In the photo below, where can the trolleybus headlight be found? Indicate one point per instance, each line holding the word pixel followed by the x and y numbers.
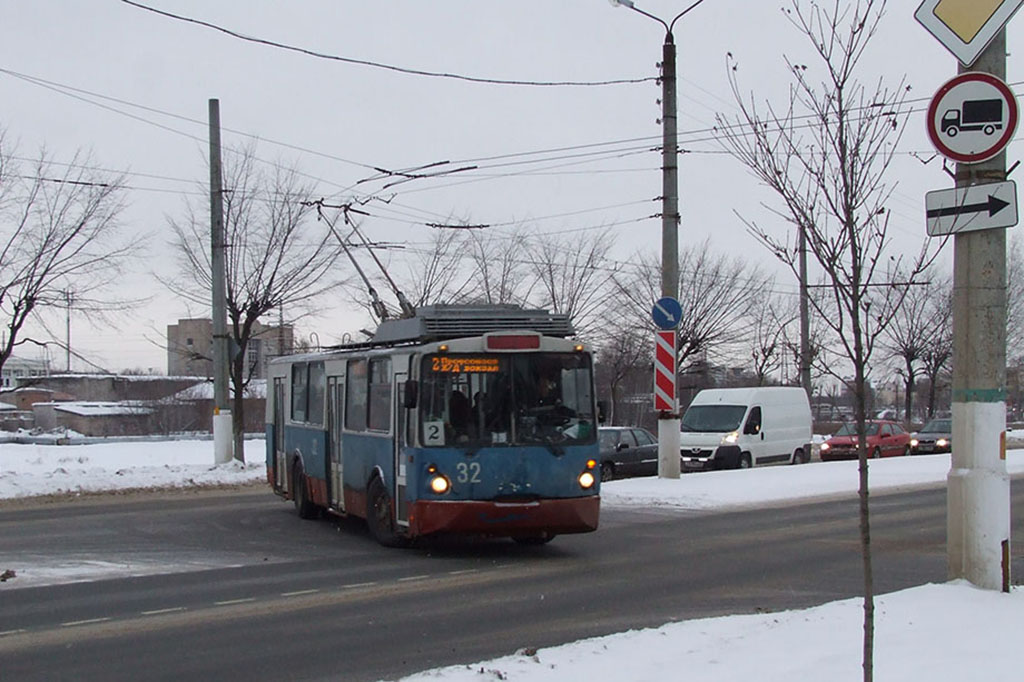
pixel 440 484
pixel 586 480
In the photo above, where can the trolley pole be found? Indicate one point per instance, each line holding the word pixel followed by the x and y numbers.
pixel 222 427
pixel 978 502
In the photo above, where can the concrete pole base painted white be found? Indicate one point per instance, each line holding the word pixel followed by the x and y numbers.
pixel 668 448
pixel 978 505
pixel 223 437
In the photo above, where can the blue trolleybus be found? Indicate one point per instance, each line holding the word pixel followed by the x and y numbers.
pixel 474 420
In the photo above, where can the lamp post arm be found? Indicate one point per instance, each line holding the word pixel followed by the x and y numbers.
pixel 629 4
pixel 679 16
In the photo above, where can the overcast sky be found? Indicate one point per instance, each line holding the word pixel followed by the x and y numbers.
pixel 104 60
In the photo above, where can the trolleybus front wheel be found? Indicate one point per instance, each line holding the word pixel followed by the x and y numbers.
pixel 379 516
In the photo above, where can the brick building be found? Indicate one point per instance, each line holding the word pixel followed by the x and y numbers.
pixel 190 347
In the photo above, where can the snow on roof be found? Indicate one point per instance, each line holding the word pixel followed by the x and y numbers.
pixel 101 409
pixel 120 377
pixel 257 388
pixel 7 407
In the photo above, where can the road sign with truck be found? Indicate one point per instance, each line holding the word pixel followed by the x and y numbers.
pixel 985 115
pixel 972 117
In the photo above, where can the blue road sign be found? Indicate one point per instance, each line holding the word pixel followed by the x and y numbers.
pixel 667 313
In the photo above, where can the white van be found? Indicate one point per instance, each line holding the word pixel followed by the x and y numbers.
pixel 737 428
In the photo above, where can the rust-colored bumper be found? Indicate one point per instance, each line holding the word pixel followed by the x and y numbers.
pixel 572 515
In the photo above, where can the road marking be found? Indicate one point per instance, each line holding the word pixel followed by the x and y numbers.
pixel 413 579
pixel 229 602
pixel 157 612
pixel 5 633
pixel 298 592
pixel 463 571
pixel 89 621
pixel 352 586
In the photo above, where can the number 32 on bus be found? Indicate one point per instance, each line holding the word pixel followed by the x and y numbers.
pixel 491 435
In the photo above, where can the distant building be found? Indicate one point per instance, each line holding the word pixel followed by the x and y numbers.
pixel 16 369
pixel 190 347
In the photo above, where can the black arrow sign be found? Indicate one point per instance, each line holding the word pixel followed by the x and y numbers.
pixel 993 206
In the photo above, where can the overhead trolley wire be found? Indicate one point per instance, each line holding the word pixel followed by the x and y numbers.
pixel 380 65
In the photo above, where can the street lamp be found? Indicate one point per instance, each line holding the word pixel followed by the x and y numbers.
pixel 668 422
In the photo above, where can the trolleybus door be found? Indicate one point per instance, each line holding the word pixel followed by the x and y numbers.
pixel 399 426
pixel 280 457
pixel 335 393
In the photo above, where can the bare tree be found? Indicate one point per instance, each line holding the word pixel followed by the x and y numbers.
pixel 825 156
pixel 60 236
pixel 436 274
pixel 768 341
pixel 815 337
pixel 718 295
pixel 1015 296
pixel 625 352
pixel 278 256
pixel 938 350
pixel 573 275
pixel 911 330
pixel 500 273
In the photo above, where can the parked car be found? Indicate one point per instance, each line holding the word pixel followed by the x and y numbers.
pixel 627 451
pixel 884 439
pixel 737 428
pixel 935 436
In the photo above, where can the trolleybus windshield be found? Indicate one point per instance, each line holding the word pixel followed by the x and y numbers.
pixel 506 399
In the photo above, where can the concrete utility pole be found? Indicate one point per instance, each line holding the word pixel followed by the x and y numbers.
pixel 805 317
pixel 69 298
pixel 978 502
pixel 668 421
pixel 222 428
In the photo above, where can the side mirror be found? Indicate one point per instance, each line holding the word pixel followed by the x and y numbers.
pixel 602 411
pixel 622 446
pixel 412 390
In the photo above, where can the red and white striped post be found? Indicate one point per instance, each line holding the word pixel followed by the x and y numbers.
pixel 666 404
pixel 665 371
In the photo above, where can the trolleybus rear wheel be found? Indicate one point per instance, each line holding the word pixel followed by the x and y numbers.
pixel 300 495
pixel 379 516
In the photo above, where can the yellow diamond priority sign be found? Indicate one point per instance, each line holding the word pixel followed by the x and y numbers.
pixel 965 27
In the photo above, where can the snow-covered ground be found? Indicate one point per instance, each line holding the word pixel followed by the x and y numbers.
pixel 942 632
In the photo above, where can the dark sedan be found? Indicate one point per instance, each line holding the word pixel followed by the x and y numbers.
pixel 627 451
pixel 935 436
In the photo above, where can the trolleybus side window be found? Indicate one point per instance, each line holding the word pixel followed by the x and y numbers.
pixel 317 387
pixel 308 387
pixel 379 417
pixel 299 384
pixel 355 396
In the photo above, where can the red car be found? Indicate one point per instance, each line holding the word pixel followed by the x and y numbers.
pixel 884 439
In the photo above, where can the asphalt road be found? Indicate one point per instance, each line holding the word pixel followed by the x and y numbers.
pixel 245 590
